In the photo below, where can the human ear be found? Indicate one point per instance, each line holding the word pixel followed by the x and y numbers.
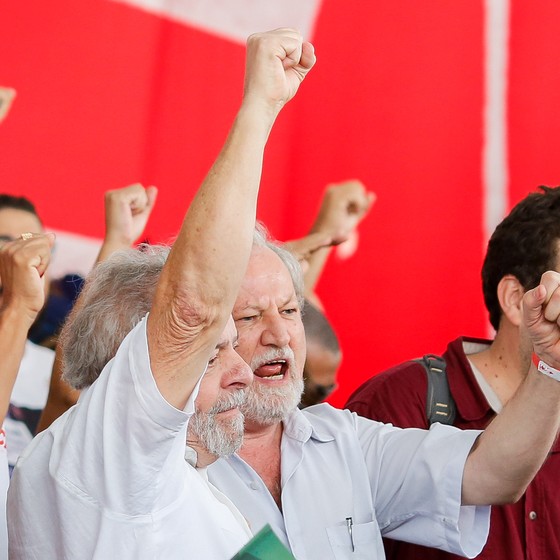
pixel 510 296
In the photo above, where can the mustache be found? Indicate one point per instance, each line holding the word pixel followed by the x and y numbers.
pixel 272 355
pixel 228 401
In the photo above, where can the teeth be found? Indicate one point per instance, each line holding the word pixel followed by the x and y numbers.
pixel 279 376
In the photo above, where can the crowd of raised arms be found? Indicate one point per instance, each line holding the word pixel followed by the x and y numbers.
pixel 166 410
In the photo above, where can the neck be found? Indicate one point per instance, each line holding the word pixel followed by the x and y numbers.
pixel 504 364
pixel 261 436
pixel 261 450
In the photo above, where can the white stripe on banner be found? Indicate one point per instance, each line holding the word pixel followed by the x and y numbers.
pixel 236 19
pixel 74 254
pixel 495 156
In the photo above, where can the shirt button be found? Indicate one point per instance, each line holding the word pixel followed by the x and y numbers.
pixel 532 515
pixel 254 485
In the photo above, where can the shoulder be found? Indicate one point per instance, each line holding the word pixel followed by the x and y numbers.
pixel 408 377
pixel 382 396
pixel 326 421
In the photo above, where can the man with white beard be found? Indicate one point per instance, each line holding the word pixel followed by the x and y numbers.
pixel 330 483
pixel 108 479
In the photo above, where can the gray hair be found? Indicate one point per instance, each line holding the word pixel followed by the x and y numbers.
pixel 117 294
pixel 261 238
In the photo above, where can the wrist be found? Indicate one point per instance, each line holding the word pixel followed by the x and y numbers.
pixel 18 315
pixel 546 369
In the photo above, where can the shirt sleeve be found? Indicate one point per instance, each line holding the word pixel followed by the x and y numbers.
pixel 416 477
pixel 131 440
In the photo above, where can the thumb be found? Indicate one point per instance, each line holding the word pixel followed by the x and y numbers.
pixel 151 193
pixel 533 305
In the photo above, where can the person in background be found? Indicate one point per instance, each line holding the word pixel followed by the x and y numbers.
pixel 484 375
pixel 29 394
pixel 322 359
pixel 331 483
pixel 127 211
pixel 23 263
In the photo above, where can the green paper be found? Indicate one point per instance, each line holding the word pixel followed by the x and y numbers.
pixel 265 545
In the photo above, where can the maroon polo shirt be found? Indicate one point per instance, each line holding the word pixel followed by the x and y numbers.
pixel 527 530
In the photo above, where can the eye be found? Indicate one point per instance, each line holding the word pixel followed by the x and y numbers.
pixel 212 360
pixel 290 311
pixel 246 319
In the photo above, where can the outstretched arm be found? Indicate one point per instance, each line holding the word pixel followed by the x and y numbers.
pixel 200 280
pixel 343 207
pixel 514 446
pixel 22 266
pixel 127 211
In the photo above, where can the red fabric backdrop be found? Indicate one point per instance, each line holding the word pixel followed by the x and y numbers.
pixel 109 95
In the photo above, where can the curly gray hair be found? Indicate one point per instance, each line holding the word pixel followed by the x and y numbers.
pixel 116 295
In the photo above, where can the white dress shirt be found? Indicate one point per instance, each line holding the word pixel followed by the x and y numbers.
pixel 109 479
pixel 28 398
pixel 347 480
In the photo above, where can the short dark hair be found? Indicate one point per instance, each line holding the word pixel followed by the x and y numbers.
pixel 18 203
pixel 318 328
pixel 525 245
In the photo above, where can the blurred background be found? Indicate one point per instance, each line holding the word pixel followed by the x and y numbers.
pixel 446 110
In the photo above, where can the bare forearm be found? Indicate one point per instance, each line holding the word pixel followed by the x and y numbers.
pixel 224 209
pixel 512 449
pixel 199 283
pixel 13 334
pixel 204 271
pixel 316 263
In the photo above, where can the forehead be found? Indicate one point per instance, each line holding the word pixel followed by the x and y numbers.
pixel 266 278
pixel 229 334
pixel 14 222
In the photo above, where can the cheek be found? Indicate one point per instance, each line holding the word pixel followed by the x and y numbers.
pixel 208 393
pixel 247 342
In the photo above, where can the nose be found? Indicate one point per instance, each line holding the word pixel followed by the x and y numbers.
pixel 240 374
pixel 275 332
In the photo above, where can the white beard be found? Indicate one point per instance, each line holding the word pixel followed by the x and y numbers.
pixel 219 437
pixel 267 405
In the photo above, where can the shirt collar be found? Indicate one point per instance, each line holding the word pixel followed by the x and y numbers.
pixel 297 426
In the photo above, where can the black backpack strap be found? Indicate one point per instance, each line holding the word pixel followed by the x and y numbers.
pixel 440 406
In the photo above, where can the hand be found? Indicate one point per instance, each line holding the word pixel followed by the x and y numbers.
pixel 541 317
pixel 343 207
pixel 277 62
pixel 22 268
pixel 126 213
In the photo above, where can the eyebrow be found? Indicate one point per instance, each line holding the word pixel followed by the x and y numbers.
pixel 290 299
pixel 221 345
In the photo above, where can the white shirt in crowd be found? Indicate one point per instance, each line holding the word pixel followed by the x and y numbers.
pixel 109 478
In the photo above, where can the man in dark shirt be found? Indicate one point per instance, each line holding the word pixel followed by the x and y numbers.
pixel 483 376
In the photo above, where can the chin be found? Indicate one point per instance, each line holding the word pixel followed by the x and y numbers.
pixel 267 404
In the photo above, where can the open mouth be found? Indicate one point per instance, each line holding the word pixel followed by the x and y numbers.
pixel 272 371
